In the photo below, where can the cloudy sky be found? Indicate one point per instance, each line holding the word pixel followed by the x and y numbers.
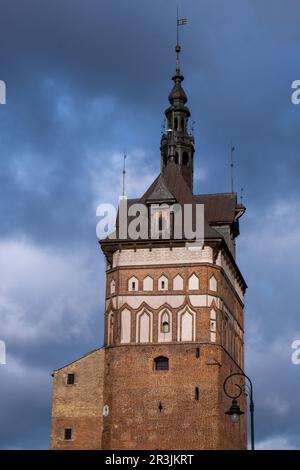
pixel 87 80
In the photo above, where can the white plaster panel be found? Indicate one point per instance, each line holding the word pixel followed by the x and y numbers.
pixel 144 328
pixel 178 282
pixel 187 327
pixel 154 301
pixel 148 283
pixel 213 283
pixel 211 298
pixel 125 326
pixel 193 282
pixel 198 300
pixel 112 286
pixel 160 256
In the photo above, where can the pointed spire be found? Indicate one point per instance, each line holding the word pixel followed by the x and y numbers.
pixel 177 93
pixel 177 144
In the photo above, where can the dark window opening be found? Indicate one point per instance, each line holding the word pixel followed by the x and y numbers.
pixel 161 363
pixel 176 158
pixel 185 159
pixel 68 434
pixel 71 379
pixel 197 393
pixel 162 284
pixel 133 285
pixel 176 124
pixel 197 352
pixel 182 124
pixel 160 407
pixel 165 327
pixel 160 222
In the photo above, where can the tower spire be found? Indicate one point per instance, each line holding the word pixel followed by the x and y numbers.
pixel 177 144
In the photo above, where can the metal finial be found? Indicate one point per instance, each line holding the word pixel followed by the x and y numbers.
pixel 124 174
pixel 232 149
pixel 180 22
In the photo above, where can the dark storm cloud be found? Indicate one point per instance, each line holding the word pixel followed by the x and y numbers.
pixel 88 80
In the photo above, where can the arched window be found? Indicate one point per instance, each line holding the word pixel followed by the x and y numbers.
pixel 176 124
pixel 185 159
pixel 160 222
pixel 133 284
pixel 165 323
pixel 161 363
pixel 112 286
pixel 163 283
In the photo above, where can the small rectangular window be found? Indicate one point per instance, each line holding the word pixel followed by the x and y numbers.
pixel 197 352
pixel 71 379
pixel 162 284
pixel 68 434
pixel 133 286
pixel 197 393
pixel 161 363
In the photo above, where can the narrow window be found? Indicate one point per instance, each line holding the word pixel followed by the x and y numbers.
pixel 160 222
pixel 68 434
pixel 182 124
pixel 133 285
pixel 162 284
pixel 161 363
pixel 185 159
pixel 197 352
pixel 165 327
pixel 176 124
pixel 71 379
pixel 197 393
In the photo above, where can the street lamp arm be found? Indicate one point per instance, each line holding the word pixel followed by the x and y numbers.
pixel 240 391
pixel 240 374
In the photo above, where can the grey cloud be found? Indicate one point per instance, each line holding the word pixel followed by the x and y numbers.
pixel 87 81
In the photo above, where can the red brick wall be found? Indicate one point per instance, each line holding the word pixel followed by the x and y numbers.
pixel 133 390
pixel 79 406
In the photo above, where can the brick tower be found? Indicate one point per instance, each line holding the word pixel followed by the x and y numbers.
pixel 173 322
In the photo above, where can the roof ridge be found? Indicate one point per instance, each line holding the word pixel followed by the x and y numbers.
pixel 216 194
pixel 78 359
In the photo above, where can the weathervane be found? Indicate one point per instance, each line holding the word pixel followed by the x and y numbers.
pixel 180 22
